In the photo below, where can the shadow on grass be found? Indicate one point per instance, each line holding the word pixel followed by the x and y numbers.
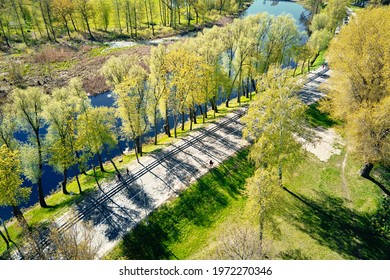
pixel 317 118
pixel 383 174
pixel 332 224
pixel 198 205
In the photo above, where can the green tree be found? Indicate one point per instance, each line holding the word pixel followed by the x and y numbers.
pixel 360 85
pixel 60 114
pixel 12 193
pixel 28 105
pixel 95 133
pixel 132 105
pixel 8 126
pixel 274 122
pixel 263 196
pixel 158 87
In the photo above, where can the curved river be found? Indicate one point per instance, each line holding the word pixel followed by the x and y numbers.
pixel 51 178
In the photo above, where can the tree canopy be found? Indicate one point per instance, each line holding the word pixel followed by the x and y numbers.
pixel 359 89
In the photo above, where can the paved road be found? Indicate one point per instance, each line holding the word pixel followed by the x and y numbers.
pixel 310 92
pixel 119 206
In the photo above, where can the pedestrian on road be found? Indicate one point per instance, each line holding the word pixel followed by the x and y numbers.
pixel 211 163
pixel 127 171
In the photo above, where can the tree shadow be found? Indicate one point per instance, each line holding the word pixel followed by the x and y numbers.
pixel 381 172
pixel 198 205
pixel 332 224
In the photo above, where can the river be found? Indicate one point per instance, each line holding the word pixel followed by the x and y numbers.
pixel 51 178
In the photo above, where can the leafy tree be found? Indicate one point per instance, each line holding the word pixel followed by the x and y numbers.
pixel 28 105
pixel 77 243
pixel 8 126
pixel 95 132
pixel 158 88
pixel 61 114
pixel 12 193
pixel 181 66
pixel 263 196
pixel 274 121
pixel 132 100
pixel 360 86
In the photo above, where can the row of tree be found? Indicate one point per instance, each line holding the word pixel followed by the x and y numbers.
pixel 51 19
pixel 66 131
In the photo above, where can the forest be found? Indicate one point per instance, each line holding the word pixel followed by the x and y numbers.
pixel 38 21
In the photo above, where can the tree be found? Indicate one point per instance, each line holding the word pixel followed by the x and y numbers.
pixel 28 104
pixel 158 87
pixel 274 122
pixel 77 243
pixel 359 88
pixel 132 100
pixel 12 193
pixel 60 114
pixel 8 126
pixel 181 66
pixel 63 10
pixel 85 9
pixel 263 196
pixel 95 133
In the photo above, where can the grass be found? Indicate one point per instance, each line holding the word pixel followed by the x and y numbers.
pixel 61 203
pixel 314 218
pixel 317 118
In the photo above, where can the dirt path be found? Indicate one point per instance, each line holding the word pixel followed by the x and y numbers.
pixel 344 184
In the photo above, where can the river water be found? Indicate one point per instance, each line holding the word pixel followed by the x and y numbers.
pixel 51 178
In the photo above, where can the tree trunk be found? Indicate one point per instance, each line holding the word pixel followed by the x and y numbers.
pixel 67 27
pixel 64 181
pixel 112 162
pixel 41 195
pixel 191 118
pixel 5 239
pixel 194 115
pixel 73 23
pixel 20 218
pixel 151 17
pixel 182 121
pixel 95 176
pixel 100 162
pixel 155 128
pixel 4 34
pixel 139 145
pixel 78 183
pixel 50 22
pixel 118 17
pixel 366 169
pixel 19 22
pixel 44 20
pixel 166 125
pixel 175 125
pixel 303 66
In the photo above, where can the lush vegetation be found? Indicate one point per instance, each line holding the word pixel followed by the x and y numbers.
pixel 33 21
